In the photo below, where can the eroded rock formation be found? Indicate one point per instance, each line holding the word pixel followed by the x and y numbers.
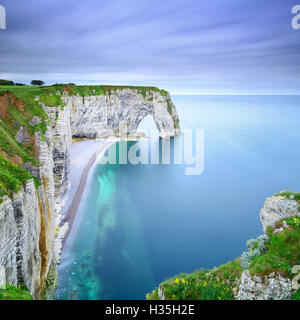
pixel 115 114
pixel 276 208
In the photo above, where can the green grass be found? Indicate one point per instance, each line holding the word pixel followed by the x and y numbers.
pixel 13 293
pixel 288 194
pixel 10 125
pixel 283 251
pixel 29 94
pixel 51 95
pixel 12 177
pixel 85 91
pixel 216 284
pixel 296 295
pixel 12 147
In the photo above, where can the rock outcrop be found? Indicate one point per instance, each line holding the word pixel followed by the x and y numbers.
pixel 28 220
pixel 271 287
pixel 277 208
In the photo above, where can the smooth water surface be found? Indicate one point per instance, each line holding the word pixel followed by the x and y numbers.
pixel 139 225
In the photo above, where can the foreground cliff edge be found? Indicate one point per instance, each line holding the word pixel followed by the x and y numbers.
pixel 36 129
pixel 269 270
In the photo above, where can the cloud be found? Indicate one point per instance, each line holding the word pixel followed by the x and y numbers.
pixel 186 46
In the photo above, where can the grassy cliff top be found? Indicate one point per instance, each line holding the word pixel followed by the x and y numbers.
pixel 51 95
pixel 290 195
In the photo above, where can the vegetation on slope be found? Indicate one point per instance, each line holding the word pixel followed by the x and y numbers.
pixel 17 110
pixel 282 253
pixel 13 293
pixel 12 177
pixel 51 95
pixel 214 284
pixel 283 250
pixel 90 90
pixel 16 113
pixel 32 95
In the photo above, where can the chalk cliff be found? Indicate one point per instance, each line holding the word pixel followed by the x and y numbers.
pixel 36 130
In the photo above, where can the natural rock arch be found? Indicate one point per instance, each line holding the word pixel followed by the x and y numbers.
pixel 113 114
pixel 119 114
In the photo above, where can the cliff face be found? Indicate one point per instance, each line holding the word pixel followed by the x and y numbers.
pixel 36 128
pixel 19 238
pixel 27 224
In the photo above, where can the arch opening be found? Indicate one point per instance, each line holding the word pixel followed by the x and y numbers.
pixel 148 126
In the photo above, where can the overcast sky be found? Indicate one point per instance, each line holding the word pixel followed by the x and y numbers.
pixel 184 46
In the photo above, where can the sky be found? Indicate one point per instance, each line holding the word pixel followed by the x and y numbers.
pixel 184 46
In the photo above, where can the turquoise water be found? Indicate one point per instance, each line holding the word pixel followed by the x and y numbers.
pixel 139 225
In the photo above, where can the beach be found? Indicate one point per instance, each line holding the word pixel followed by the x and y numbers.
pixel 83 156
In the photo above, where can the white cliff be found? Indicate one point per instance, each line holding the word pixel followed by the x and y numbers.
pixel 27 218
pixel 20 257
pixel 119 113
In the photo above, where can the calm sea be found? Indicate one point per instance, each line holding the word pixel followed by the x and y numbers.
pixel 140 224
